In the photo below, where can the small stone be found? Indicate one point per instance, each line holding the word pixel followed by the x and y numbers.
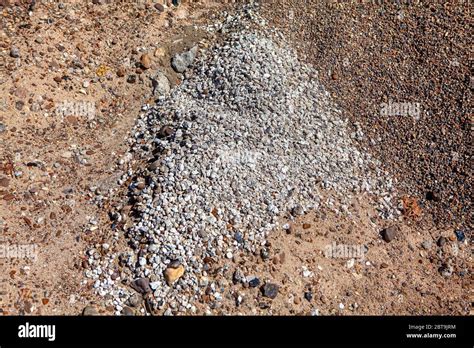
pixel 237 277
pixel 141 285
pixel 135 300
pixel 181 62
pixel 145 61
pixel 132 78
pixel 308 295
pixel 165 132
pixel 173 274
pixel 306 226
pixel 270 290
pixel 90 311
pixel 264 253
pixel 254 282
pixel 19 105
pixel 4 182
pixel 2 128
pixel 127 311
pixel 121 71
pixel 427 244
pixel 441 241
pixel 389 233
pixel 154 165
pixel 159 7
pixel 297 210
pixel 446 270
pixel 160 52
pixel 161 84
pixel 460 236
pixel 14 52
pixel 239 237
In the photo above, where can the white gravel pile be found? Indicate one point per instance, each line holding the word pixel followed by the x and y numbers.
pixel 250 135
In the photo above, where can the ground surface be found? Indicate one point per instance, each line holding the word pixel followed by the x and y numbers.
pixel 55 166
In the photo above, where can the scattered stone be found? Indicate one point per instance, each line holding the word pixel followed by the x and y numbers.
pixel 165 132
pixel 446 270
pixel 19 105
pixel 254 282
pixel 154 165
pixel 159 7
pixel 132 78
pixel 427 244
pixel 239 237
pixel 308 295
pixel 441 241
pixel 389 233
pixel 306 226
pixel 297 210
pixel 121 72
pixel 15 52
pixel 173 274
pixel 161 85
pixel 237 277
pixel 90 311
pixel 270 290
pixel 141 285
pixel 460 236
pixel 127 311
pixel 145 61
pixel 183 61
pixel 135 300
pixel 2 128
pixel 4 181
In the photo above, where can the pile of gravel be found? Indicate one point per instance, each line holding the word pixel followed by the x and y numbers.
pixel 250 135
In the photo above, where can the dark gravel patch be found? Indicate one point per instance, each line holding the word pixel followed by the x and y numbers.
pixel 413 53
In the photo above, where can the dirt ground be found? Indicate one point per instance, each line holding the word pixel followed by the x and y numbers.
pixel 54 165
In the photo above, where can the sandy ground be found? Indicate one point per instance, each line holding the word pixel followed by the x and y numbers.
pixel 52 165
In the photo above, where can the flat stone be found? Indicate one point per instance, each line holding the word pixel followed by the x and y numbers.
pixel 173 274
pixel 141 285
pixel 182 61
pixel 90 311
pixel 127 311
pixel 389 233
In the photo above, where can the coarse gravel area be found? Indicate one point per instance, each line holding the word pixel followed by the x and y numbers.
pixel 248 136
pixel 370 54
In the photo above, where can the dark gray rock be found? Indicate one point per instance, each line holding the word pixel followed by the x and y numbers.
pixel 389 233
pixel 270 290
